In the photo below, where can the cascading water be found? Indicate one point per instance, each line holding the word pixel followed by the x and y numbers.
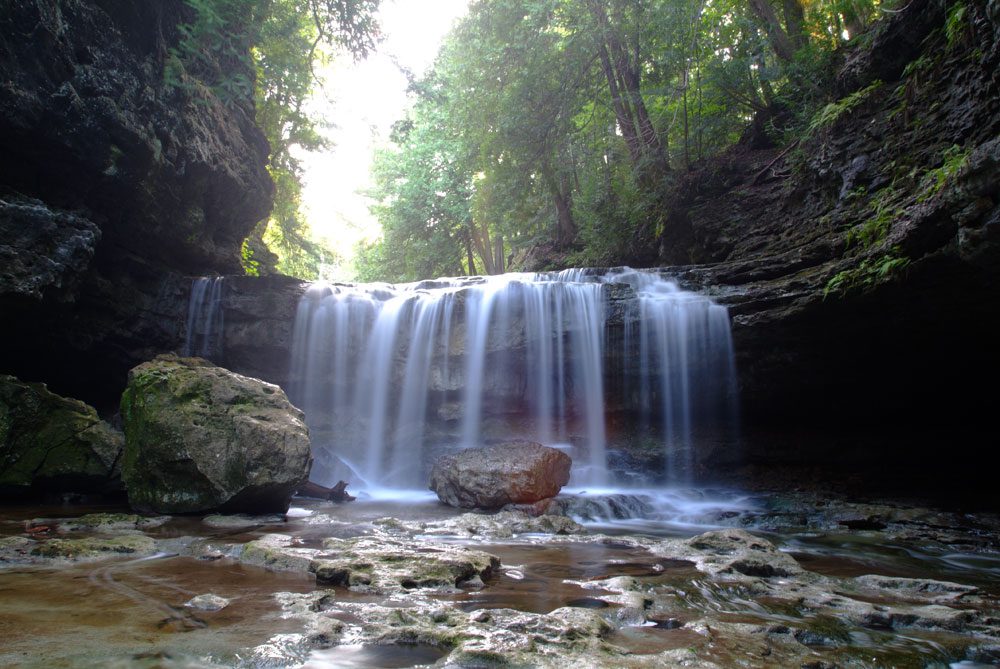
pixel 204 322
pixel 392 376
pixel 681 353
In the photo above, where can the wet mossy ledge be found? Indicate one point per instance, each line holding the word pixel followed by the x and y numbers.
pixel 197 438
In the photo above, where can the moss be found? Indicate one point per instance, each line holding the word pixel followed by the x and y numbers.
pixel 478 658
pixel 93 547
pixel 45 438
pixel 271 552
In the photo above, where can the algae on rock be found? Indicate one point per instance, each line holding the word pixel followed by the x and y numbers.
pixel 199 437
pixel 54 444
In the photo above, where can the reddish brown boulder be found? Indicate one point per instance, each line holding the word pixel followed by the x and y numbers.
pixel 516 472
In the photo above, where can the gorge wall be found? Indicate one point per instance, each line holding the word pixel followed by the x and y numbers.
pixel 861 262
pixel 113 183
pixel 853 356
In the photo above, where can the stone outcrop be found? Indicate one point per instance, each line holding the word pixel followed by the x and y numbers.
pixel 199 437
pixel 853 358
pixel 378 565
pixel 114 183
pixel 42 251
pixel 873 345
pixel 53 444
pixel 520 472
pixel 259 318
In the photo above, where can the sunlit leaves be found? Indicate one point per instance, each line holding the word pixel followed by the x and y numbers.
pixel 562 122
pixel 279 41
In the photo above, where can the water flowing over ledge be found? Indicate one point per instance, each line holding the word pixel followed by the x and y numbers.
pixel 390 377
pixel 205 328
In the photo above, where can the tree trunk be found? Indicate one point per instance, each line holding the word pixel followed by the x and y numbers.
pixel 484 247
pixel 468 252
pixel 562 198
pixel 780 42
pixel 795 23
pixel 622 114
pixel 498 259
pixel 687 153
pixel 623 74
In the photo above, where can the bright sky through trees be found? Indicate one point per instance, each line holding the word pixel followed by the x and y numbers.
pixel 366 98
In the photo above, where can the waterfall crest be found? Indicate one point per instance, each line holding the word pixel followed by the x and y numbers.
pixel 390 377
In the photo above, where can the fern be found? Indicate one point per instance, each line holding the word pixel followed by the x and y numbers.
pixel 869 273
pixel 831 113
pixel 955 25
pixel 953 160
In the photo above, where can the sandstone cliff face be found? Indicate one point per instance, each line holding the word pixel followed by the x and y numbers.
pixel 112 184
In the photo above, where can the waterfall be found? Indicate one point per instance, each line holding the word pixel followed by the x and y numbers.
pixel 390 377
pixel 204 322
pixel 686 370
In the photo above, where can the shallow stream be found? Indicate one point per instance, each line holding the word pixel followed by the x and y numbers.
pixel 130 611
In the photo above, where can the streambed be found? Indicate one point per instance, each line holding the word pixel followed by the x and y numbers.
pixel 612 592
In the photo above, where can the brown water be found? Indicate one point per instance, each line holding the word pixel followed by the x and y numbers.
pixel 129 612
pixel 84 615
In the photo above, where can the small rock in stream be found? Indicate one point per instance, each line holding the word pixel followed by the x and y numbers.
pixel 207 602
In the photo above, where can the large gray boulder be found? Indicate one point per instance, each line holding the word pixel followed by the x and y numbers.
pixel 53 444
pixel 199 437
pixel 516 472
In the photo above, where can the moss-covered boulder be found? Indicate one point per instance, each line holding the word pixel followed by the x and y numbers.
pixel 53 444
pixel 199 438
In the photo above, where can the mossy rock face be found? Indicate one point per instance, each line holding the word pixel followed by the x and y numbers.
pixel 200 438
pixel 54 444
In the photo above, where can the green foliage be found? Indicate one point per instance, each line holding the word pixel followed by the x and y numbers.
pixel 212 52
pixel 874 230
pixel 263 51
pixel 520 136
pixel 251 267
pixel 956 24
pixel 372 263
pixel 953 160
pixel 868 274
pixel 834 111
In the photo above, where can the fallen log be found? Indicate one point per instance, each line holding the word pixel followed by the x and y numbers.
pixel 337 493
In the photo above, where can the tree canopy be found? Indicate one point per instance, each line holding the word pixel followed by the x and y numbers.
pixel 558 126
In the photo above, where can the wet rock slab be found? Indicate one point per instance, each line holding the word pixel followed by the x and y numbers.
pixel 378 565
pixel 756 607
pixel 500 525
pixel 425 589
pixel 23 550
